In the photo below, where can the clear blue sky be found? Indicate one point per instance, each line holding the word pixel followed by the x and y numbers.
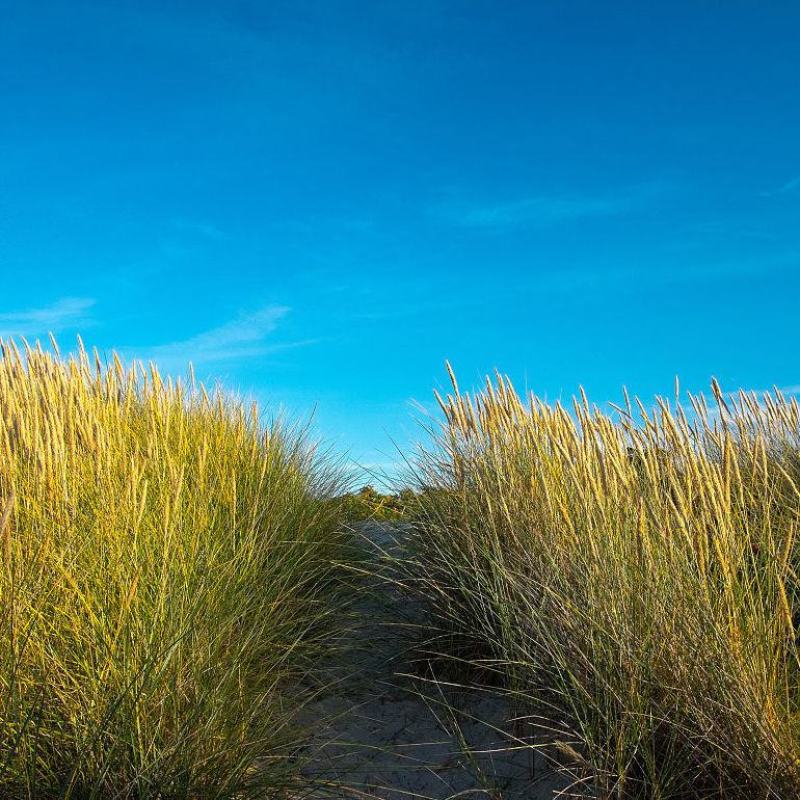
pixel 319 202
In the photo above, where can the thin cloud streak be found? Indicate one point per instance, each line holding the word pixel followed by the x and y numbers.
pixel 205 230
pixel 68 313
pixel 790 186
pixel 540 211
pixel 586 281
pixel 786 391
pixel 239 339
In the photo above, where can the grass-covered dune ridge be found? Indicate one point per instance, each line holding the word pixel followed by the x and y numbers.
pixel 633 577
pixel 166 579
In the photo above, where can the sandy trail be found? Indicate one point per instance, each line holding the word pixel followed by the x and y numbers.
pixel 382 733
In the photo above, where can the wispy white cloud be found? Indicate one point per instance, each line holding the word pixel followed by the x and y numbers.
pixel 200 228
pixel 69 313
pixel 715 412
pixel 700 232
pixel 786 391
pixel 246 336
pixel 539 210
pixel 790 186
pixel 594 278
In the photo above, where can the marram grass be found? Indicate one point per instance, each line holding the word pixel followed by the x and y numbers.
pixel 633 576
pixel 165 585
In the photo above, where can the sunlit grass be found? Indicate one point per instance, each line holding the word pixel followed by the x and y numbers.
pixel 167 580
pixel 632 575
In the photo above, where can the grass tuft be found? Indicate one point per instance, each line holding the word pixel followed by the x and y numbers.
pixel 167 581
pixel 633 576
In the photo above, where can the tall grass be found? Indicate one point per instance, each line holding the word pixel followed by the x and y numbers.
pixel 165 584
pixel 633 576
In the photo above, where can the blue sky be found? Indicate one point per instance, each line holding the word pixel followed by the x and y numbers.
pixel 320 202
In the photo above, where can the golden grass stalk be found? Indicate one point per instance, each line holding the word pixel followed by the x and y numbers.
pixel 167 581
pixel 634 573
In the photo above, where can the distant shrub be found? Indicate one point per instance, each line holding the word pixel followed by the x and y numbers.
pixel 368 503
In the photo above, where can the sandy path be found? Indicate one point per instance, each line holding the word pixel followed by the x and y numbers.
pixel 389 735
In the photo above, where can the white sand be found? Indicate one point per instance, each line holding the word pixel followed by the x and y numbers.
pixel 385 734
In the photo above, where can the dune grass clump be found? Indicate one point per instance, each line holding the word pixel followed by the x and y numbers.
pixel 166 583
pixel 632 576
